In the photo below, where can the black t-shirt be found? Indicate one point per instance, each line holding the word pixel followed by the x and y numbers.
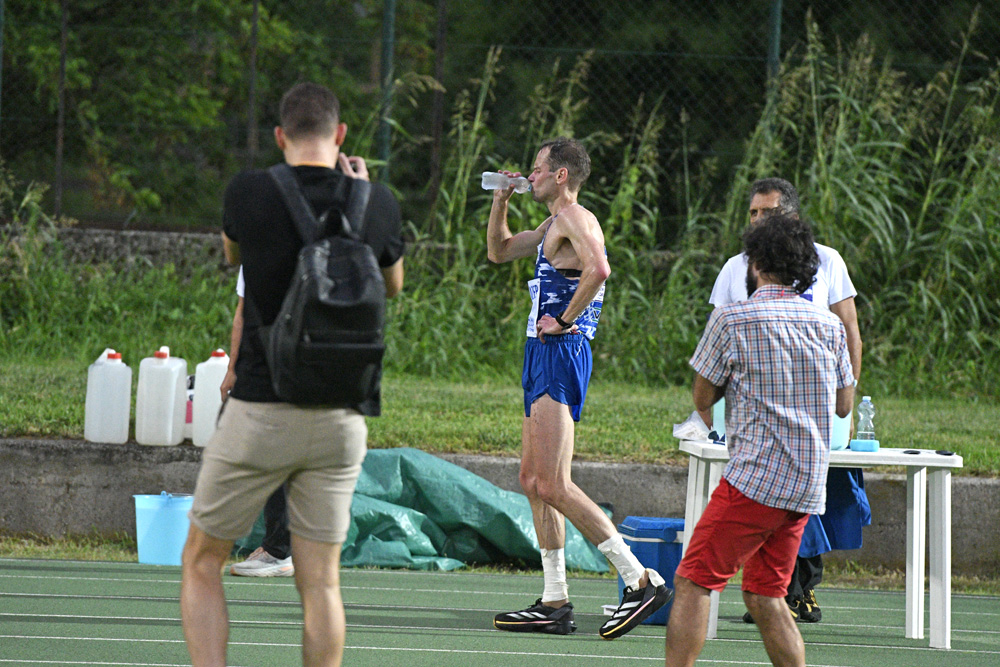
pixel 255 216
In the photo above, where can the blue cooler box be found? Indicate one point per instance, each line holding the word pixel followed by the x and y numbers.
pixel 657 544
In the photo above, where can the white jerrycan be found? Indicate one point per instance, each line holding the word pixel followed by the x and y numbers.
pixel 208 376
pixel 161 400
pixel 109 399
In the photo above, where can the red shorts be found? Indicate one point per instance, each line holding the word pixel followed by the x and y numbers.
pixel 738 532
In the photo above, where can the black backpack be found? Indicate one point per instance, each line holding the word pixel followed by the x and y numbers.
pixel 325 346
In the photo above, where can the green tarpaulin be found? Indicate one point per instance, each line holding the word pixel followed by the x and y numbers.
pixel 417 511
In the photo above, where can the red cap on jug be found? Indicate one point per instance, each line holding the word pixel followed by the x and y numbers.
pixel 114 355
pixel 160 354
pixel 218 353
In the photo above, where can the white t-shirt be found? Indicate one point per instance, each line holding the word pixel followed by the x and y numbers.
pixel 833 283
pixel 241 285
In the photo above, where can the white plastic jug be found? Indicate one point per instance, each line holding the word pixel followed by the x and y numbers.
pixel 208 376
pixel 161 400
pixel 109 399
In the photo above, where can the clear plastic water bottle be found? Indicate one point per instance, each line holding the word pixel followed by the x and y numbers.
pixel 866 415
pixel 496 181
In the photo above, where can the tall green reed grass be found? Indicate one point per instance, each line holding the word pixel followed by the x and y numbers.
pixel 902 179
pixel 51 306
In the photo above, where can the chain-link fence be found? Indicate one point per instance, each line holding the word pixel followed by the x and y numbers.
pixel 140 115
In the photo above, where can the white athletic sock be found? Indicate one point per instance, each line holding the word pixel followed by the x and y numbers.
pixel 621 556
pixel 554 569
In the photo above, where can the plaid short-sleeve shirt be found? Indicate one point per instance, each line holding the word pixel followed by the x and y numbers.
pixel 781 360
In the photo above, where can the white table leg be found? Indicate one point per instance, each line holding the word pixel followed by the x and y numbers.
pixel 939 495
pixel 693 507
pixel 714 477
pixel 703 477
pixel 916 508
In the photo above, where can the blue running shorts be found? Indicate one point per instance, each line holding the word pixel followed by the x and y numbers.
pixel 559 367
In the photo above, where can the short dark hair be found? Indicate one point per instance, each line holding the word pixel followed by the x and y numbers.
pixel 788 202
pixel 783 247
pixel 309 110
pixel 569 153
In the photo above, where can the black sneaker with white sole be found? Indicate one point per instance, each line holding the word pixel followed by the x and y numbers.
pixel 538 618
pixel 637 605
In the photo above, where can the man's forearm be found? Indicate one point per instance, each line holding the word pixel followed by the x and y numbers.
pixel 236 337
pixel 497 232
pixel 848 314
pixel 231 250
pixel 854 351
pixel 705 395
pixel 586 289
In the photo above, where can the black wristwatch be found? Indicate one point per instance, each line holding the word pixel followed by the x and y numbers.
pixel 563 324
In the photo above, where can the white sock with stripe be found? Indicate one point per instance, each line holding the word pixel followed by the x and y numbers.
pixel 554 570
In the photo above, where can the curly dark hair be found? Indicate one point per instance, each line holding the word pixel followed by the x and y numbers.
pixel 784 248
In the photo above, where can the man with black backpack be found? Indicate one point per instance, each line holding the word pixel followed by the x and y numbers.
pixel 292 227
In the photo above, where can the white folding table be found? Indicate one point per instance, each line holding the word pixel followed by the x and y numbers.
pixel 928 479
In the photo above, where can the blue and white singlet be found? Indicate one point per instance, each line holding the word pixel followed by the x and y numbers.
pixel 551 292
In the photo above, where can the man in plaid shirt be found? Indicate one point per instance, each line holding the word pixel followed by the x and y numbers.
pixel 784 367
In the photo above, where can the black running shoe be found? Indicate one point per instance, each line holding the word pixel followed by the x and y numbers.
pixel 810 611
pixel 637 606
pixel 538 618
pixel 795 606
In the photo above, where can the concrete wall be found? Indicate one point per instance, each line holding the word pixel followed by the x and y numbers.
pixel 125 247
pixel 65 487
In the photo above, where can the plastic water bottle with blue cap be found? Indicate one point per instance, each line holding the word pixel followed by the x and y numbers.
pixel 496 181
pixel 865 440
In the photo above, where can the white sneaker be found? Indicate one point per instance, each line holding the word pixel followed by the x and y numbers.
pixel 262 564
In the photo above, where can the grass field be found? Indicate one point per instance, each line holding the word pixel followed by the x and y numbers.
pixel 122 549
pixel 622 422
pixel 102 613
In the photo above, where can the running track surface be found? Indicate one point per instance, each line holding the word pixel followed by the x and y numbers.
pixel 95 613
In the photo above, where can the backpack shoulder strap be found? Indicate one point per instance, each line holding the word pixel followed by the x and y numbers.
pixel 302 214
pixel 357 204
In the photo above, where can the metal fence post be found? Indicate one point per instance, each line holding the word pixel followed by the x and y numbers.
pixel 388 47
pixel 1 59
pixel 61 121
pixel 774 43
pixel 252 140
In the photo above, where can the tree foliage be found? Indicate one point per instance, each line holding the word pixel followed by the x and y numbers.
pixel 157 94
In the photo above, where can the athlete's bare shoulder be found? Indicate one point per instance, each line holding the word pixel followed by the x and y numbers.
pixel 576 220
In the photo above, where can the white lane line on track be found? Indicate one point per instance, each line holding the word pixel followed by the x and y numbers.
pixel 290 585
pixel 232 622
pixel 351 571
pixel 372 626
pixel 657 638
pixel 349 605
pixel 900 610
pixel 360 648
pixel 575 656
pixel 358 605
pixel 403 608
pixel 80 662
